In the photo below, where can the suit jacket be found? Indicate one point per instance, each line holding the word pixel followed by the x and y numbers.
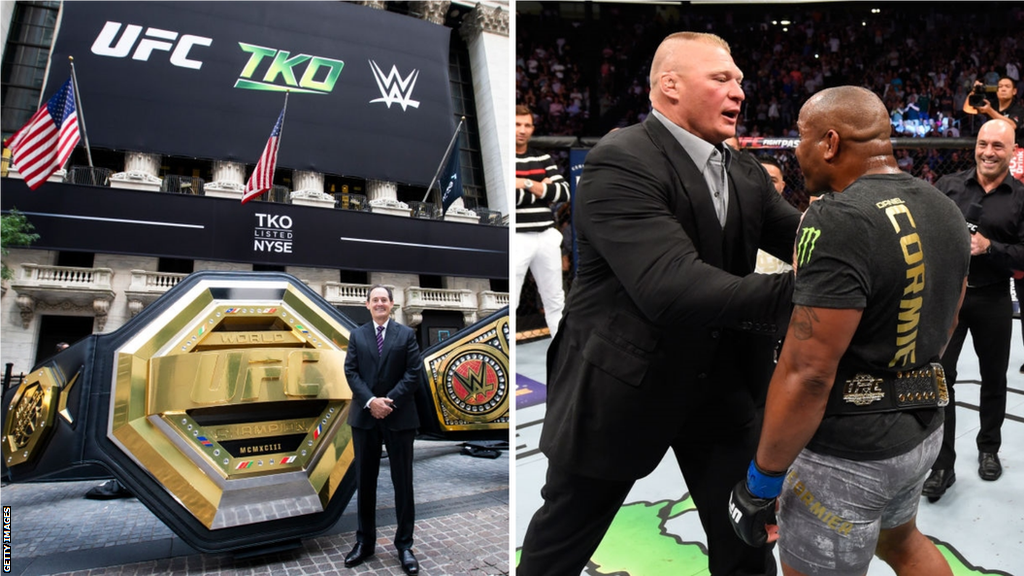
pixel 394 374
pixel 665 321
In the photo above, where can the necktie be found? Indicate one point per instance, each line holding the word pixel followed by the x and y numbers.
pixel 719 189
pixel 380 340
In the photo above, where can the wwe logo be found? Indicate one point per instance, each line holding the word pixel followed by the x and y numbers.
pixel 394 88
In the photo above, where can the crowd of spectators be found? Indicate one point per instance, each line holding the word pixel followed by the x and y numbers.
pixel 586 72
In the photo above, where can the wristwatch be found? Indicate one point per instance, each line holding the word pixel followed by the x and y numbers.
pixel 529 184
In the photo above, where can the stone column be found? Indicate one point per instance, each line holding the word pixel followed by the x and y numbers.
pixel 383 198
pixel 228 180
pixel 140 172
pixel 306 181
pixel 309 189
pixel 458 212
pixel 486 31
pixel 431 11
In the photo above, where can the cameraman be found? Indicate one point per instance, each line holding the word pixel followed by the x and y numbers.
pixel 1009 110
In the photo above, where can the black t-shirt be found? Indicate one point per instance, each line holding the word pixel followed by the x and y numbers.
pixel 897 248
pixel 1015 112
pixel 1001 221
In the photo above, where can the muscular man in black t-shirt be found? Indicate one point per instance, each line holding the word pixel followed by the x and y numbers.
pixel 881 266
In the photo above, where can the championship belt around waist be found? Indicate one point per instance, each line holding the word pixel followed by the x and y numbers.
pixel 867 393
pixel 222 406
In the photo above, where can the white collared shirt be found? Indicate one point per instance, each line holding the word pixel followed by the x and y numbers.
pixel 383 334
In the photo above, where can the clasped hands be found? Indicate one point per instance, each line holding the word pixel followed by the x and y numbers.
pixel 381 407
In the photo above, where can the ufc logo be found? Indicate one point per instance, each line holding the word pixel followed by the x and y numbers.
pixel 154 39
pixel 737 516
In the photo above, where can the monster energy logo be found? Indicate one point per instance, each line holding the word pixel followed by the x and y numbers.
pixel 808 237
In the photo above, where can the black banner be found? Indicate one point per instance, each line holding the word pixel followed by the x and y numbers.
pixel 114 221
pixel 369 89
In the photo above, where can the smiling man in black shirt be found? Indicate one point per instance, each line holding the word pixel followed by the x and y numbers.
pixel 993 201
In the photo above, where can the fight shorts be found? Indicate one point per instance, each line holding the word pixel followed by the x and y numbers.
pixel 831 509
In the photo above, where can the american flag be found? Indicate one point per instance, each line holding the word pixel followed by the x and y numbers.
pixel 43 145
pixel 262 178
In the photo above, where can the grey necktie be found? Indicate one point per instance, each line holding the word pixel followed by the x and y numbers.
pixel 719 183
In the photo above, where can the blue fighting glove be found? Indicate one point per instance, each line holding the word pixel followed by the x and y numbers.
pixel 752 504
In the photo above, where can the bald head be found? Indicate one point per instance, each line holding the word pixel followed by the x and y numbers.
pixel 844 134
pixel 856 113
pixel 670 51
pixel 993 150
pixel 997 129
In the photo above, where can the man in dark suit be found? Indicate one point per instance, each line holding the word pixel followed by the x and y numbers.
pixel 382 367
pixel 664 318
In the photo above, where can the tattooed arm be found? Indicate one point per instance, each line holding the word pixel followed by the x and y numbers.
pixel 800 386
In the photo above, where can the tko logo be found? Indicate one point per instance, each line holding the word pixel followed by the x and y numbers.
pixel 280 74
pixel 273 233
pixel 274 221
pixel 154 39
pixel 394 88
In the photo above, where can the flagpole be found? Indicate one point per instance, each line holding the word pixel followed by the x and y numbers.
pixel 284 111
pixel 280 137
pixel 444 158
pixel 81 118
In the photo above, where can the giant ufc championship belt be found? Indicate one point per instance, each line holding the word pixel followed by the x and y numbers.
pixel 222 406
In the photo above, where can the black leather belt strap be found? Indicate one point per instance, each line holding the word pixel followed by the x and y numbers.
pixel 871 393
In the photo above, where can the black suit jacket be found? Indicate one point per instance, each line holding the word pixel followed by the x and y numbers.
pixel 394 374
pixel 665 320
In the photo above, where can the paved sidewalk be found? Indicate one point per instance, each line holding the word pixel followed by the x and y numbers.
pixel 462 524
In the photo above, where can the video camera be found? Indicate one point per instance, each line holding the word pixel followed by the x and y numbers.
pixel 980 93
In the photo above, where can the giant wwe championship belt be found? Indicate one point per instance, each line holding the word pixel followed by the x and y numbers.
pixel 466 393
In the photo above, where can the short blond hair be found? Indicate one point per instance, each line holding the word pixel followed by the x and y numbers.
pixel 664 50
pixel 704 37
